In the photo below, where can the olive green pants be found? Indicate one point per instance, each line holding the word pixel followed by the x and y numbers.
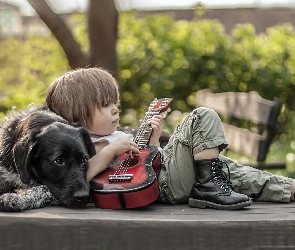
pixel 200 130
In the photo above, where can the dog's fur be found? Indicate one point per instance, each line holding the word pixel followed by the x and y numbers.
pixel 43 161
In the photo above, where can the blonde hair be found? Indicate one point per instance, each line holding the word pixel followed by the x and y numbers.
pixel 77 93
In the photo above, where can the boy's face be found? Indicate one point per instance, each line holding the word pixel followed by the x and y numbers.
pixel 105 120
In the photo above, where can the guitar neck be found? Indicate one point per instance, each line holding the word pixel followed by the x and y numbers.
pixel 144 133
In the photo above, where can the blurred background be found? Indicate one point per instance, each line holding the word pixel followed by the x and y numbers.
pixel 155 49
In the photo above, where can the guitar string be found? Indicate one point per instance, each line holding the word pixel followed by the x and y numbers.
pixel 123 166
pixel 143 134
pixel 143 130
pixel 122 169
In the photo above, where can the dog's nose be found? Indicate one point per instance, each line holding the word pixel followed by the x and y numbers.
pixel 81 197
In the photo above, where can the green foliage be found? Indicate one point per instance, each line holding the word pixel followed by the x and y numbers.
pixel 79 29
pixel 28 67
pixel 9 62
pixel 264 63
pixel 160 57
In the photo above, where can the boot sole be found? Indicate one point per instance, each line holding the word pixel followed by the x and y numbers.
pixel 204 204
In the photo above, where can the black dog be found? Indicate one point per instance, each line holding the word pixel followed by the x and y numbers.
pixel 43 161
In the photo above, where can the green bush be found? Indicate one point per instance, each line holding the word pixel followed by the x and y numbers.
pixel 28 67
pixel 160 57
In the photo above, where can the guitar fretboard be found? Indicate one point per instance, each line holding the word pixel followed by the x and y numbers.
pixel 144 133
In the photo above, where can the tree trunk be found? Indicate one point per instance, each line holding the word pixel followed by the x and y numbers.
pixel 102 29
pixel 72 49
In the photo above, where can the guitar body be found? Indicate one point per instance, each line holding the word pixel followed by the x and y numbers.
pixel 121 187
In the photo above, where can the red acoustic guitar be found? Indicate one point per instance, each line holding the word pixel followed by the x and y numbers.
pixel 130 181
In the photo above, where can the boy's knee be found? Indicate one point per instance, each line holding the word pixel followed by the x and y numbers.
pixel 207 112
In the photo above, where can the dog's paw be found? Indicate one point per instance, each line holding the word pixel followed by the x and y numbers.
pixel 11 202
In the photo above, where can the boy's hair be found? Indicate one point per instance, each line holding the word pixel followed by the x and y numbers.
pixel 77 93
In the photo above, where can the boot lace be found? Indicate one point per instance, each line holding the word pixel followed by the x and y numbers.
pixel 220 178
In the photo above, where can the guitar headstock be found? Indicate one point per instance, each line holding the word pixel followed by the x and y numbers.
pixel 160 105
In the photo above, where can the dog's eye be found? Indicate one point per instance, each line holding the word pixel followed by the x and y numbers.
pixel 84 160
pixel 59 161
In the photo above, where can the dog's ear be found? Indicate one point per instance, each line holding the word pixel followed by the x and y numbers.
pixel 89 144
pixel 22 153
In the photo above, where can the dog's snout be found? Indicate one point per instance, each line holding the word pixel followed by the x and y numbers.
pixel 81 197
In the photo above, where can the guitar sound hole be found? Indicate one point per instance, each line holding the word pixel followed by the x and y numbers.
pixel 133 161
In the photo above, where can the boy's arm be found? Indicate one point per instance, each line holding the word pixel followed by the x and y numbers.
pixel 106 154
pixel 99 162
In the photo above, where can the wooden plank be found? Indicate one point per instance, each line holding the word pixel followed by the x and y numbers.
pixel 157 226
pixel 248 106
pixel 243 141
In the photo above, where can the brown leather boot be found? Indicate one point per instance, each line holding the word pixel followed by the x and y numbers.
pixel 213 189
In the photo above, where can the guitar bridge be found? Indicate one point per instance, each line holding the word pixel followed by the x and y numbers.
pixel 120 177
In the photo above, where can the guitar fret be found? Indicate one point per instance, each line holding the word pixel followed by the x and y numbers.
pixel 144 133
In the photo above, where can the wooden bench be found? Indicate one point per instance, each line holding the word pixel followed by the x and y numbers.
pixel 249 121
pixel 157 226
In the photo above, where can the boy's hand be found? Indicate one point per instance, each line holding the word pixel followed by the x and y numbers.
pixel 121 146
pixel 156 123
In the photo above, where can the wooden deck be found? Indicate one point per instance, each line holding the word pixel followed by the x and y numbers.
pixel 260 226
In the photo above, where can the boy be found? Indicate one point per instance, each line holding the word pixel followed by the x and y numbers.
pixel 192 169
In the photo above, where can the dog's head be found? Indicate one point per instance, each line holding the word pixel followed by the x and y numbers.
pixel 58 158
